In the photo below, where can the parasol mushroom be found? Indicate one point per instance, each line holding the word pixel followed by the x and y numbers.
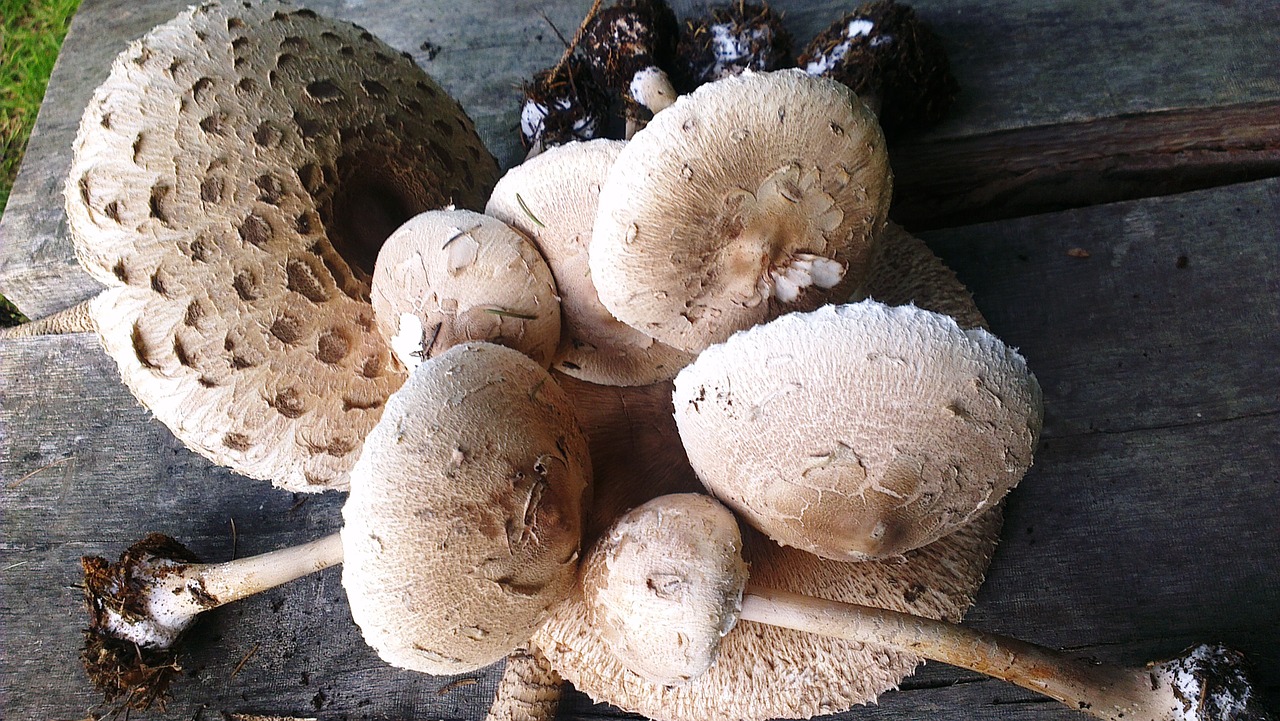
pixel 458 534
pixel 859 431
pixel 452 276
pixel 233 180
pixel 553 199
pixel 750 197
pixel 668 582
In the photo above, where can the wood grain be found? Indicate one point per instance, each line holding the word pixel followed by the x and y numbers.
pixel 1147 522
pixel 1021 65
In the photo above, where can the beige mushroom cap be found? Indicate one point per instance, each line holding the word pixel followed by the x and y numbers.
pixel 764 672
pixel 464 522
pixel 664 585
pixel 752 196
pixel 451 276
pixel 233 179
pixel 859 431
pixel 552 198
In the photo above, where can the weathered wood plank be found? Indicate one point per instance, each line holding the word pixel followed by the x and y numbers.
pixel 1146 523
pixel 1020 65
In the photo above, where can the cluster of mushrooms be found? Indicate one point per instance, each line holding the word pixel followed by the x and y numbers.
pixel 528 383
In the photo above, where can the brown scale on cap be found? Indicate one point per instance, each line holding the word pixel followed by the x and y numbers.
pixel 233 180
pixel 886 55
pixel 730 39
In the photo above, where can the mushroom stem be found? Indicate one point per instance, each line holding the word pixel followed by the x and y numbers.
pixel 154 594
pixel 1100 690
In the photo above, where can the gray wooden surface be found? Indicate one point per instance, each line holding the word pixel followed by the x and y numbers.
pixel 1146 524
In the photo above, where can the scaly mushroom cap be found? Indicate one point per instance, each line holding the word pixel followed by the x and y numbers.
pixel 464 522
pixel 859 431
pixel 664 585
pixel 552 198
pixel 770 672
pixel 882 50
pixel 753 196
pixel 451 276
pixel 232 182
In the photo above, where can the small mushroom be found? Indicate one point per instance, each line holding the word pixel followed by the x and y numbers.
pixel 730 39
pixel 451 276
pixel 553 199
pixel 233 180
pixel 859 431
pixel 752 196
pixel 562 104
pixel 478 460
pixel 629 46
pixel 891 59
pixel 667 583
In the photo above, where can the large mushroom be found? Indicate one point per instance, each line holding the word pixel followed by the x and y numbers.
pixel 553 199
pixel 750 197
pixel 233 180
pixel 459 533
pixel 859 431
pixel 668 582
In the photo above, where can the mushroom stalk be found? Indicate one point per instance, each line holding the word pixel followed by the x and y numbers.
pixel 1157 691
pixel 153 595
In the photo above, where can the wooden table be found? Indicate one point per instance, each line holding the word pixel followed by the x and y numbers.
pixel 1147 523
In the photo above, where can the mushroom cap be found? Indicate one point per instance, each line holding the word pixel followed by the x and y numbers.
pixel 859 431
pixel 882 49
pixel 464 522
pixel 904 271
pixel 753 196
pixel 451 276
pixel 768 672
pixel 552 198
pixel 233 179
pixel 664 585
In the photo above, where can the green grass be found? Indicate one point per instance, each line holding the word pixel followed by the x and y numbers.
pixel 31 32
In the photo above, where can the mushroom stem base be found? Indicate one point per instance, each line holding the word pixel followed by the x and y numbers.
pixel 1160 692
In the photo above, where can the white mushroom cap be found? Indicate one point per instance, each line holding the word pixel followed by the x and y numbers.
pixel 450 276
pixel 232 181
pixel 664 585
pixel 859 431
pixel 753 196
pixel 464 521
pixel 552 198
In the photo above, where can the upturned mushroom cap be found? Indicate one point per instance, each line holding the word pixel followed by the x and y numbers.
pixel 552 198
pixel 753 196
pixel 464 521
pixel 232 182
pixel 770 672
pixel 450 276
pixel 664 585
pixel 859 431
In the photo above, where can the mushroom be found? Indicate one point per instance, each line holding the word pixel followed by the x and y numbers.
pixel 667 583
pixel 752 196
pixel 233 180
pixel 451 276
pixel 628 46
pixel 553 199
pixel 562 104
pixel 733 38
pixel 808 675
pixel 859 431
pixel 460 531
pixel 891 59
